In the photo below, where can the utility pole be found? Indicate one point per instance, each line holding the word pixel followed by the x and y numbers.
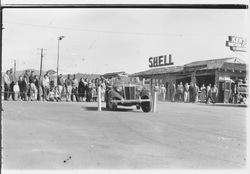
pixel 14 68
pixel 58 41
pixel 41 63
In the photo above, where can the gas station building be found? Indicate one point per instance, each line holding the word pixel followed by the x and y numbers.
pixel 222 72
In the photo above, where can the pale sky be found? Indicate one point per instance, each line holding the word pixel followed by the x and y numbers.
pixel 109 40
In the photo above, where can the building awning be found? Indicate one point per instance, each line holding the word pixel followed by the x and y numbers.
pixel 159 71
pixel 231 63
pixel 234 67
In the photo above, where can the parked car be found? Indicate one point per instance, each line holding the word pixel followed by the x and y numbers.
pixel 127 91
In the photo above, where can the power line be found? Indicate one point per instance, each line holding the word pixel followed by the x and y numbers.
pixel 81 29
pixel 111 32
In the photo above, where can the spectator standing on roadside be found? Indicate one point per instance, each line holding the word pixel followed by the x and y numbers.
pixel 74 96
pixel 186 93
pixel 191 92
pixel 214 93
pixel 16 91
pixel 21 87
pixel 88 91
pixel 94 90
pixel 103 89
pixel 26 85
pixel 172 91
pixel 203 93
pixel 68 87
pixel 45 85
pixel 38 84
pixel 60 83
pixel 195 93
pixel 12 83
pixel 81 89
pixel 208 94
pixel 6 79
pixel 85 82
pixel 32 86
pixel 163 92
pixel 180 90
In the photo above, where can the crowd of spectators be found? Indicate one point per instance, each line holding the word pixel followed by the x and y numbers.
pixel 189 93
pixel 32 87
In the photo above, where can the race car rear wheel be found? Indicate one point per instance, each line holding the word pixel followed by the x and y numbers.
pixel 107 105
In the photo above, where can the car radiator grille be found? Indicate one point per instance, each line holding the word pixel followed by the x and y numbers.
pixel 130 93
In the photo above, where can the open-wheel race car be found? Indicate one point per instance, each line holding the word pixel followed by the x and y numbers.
pixel 127 91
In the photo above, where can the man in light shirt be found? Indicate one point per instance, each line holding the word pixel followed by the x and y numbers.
pixel 208 96
pixel 68 87
pixel 45 84
pixel 60 83
pixel 163 92
pixel 74 88
pixel 186 93
pixel 214 93
pixel 16 91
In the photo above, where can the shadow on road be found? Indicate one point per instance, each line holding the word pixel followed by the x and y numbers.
pixel 92 108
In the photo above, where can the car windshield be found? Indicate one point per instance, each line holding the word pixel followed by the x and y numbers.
pixel 123 80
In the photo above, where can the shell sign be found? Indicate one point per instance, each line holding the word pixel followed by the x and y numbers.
pixel 160 61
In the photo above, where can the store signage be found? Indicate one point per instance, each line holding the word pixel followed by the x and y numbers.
pixel 236 43
pixel 160 61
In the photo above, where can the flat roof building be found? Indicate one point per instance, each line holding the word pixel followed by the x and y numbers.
pixel 222 72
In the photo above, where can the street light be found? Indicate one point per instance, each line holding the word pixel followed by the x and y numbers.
pixel 59 38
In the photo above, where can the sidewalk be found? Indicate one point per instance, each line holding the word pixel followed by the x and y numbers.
pixel 225 104
pixel 211 104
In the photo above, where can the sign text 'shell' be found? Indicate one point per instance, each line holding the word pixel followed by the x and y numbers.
pixel 160 61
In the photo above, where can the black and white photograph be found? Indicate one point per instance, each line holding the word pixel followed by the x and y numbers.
pixel 118 85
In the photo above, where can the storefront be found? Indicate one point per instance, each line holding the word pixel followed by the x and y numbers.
pixel 222 72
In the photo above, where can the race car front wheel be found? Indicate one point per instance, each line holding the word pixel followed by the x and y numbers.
pixel 146 106
pixel 111 105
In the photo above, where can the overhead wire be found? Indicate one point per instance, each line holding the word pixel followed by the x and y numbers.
pixel 112 32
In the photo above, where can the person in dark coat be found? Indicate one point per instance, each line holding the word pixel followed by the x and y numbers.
pixel 12 83
pixel 26 86
pixel 191 92
pixel 6 80
pixel 88 92
pixel 38 84
pixel 32 86
pixel 81 89
pixel 21 87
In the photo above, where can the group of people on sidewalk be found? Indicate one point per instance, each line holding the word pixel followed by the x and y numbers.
pixel 189 93
pixel 31 87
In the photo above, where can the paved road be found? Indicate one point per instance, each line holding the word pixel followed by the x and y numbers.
pixel 39 135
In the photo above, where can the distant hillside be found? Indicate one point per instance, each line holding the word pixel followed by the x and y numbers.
pixel 78 75
pixel 21 72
